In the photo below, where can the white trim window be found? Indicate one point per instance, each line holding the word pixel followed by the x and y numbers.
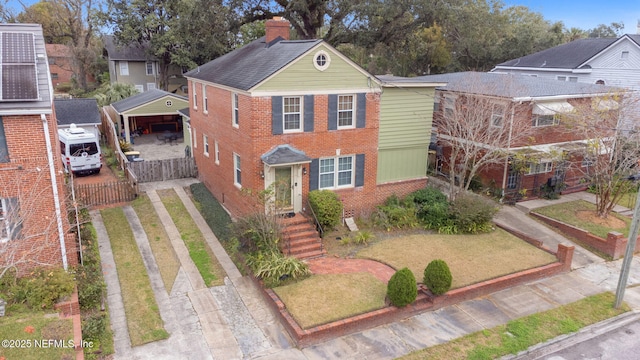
pixel 321 60
pixel 292 113
pixel 124 68
pixel 567 78
pixel 335 177
pixel 216 150
pixel 139 88
pixel 4 222
pixel 237 170
pixel 540 168
pixel 195 96
pixel 624 55
pixel 345 111
pixel 149 67
pixel 205 99
pixel 205 143
pixel 151 86
pixel 545 120
pixel 497 115
pixel 236 112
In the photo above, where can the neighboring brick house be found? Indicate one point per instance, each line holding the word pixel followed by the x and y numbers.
pixel 297 115
pixel 533 104
pixel 61 65
pixel 33 215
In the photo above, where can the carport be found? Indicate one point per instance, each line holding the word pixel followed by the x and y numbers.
pixel 153 111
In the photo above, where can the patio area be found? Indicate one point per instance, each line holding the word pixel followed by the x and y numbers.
pixel 154 147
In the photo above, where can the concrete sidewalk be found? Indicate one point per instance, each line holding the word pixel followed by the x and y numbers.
pixel 233 322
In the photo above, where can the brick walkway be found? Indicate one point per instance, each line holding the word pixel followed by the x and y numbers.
pixel 332 265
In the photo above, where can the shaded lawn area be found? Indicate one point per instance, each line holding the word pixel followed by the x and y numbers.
pixel 582 214
pixel 143 315
pixel 471 258
pixel 18 326
pixel 628 200
pixel 203 257
pixel 321 299
pixel 518 335
pixel 166 258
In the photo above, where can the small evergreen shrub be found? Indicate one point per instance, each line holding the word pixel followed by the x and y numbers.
pixel 396 213
pixel 327 207
pixel 402 289
pixel 472 214
pixel 437 277
pixel 428 195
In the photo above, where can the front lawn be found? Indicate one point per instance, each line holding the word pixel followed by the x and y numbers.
pixel 471 258
pixel 582 214
pixel 33 335
pixel 321 299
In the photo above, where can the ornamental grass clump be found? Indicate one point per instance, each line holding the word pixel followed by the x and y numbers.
pixel 402 289
pixel 437 277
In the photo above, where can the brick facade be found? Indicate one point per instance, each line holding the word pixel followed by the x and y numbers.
pixel 27 177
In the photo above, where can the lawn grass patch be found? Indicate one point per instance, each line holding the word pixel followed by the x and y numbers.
pixel 140 307
pixel 518 335
pixel 166 258
pixel 203 257
pixel 471 258
pixel 572 213
pixel 321 299
pixel 18 327
pixel 628 200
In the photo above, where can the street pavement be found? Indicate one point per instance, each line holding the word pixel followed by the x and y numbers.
pixel 233 322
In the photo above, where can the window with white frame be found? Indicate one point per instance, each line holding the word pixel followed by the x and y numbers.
pixel 4 221
pixel 139 88
pixel 237 174
pixel 124 68
pixel 205 143
pixel 545 120
pixel 540 168
pixel 149 67
pixel 512 180
pixel 292 113
pixel 624 55
pixel 336 172
pixel 567 78
pixel 345 111
pixel 497 115
pixel 205 102
pixel 195 96
pixel 216 150
pixel 151 86
pixel 236 120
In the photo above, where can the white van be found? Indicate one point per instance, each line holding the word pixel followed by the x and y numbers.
pixel 80 151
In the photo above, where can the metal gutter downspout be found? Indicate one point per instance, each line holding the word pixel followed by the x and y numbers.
pixel 56 195
pixel 506 160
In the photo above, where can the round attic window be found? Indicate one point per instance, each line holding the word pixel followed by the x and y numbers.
pixel 169 103
pixel 321 60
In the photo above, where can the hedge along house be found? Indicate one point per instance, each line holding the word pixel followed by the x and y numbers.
pixel 296 116
pixel 34 228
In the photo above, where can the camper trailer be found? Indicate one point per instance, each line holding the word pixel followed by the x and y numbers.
pixel 80 151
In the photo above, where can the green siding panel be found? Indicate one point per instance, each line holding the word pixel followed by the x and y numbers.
pixel 402 164
pixel 303 76
pixel 160 107
pixel 405 117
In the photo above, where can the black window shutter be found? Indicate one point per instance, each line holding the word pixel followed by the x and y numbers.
pixel 314 174
pixel 333 112
pixel 4 150
pixel 360 170
pixel 13 215
pixel 361 110
pixel 308 113
pixel 276 115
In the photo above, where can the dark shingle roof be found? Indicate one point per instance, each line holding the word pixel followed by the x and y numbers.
pixel 134 52
pixel 284 154
pixel 566 56
pixel 77 111
pixel 141 99
pixel 513 85
pixel 249 65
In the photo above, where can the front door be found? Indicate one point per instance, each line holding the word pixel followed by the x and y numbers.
pixel 283 189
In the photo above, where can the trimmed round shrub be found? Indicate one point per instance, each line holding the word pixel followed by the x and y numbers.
pixel 402 289
pixel 472 214
pixel 437 277
pixel 327 207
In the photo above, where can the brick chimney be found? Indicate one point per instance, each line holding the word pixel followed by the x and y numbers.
pixel 278 26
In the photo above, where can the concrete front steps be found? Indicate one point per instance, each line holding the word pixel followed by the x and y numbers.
pixel 300 238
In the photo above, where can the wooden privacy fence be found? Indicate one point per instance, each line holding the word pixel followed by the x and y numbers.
pixel 105 193
pixel 161 170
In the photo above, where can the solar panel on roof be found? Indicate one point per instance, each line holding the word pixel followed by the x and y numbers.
pixel 19 73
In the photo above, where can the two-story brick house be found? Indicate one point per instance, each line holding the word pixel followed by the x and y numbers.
pixel 33 216
pixel 297 115
pixel 533 109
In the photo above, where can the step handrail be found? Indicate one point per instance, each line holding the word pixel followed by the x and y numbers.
pixel 315 219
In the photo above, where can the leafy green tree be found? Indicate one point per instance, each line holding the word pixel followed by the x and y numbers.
pixel 613 30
